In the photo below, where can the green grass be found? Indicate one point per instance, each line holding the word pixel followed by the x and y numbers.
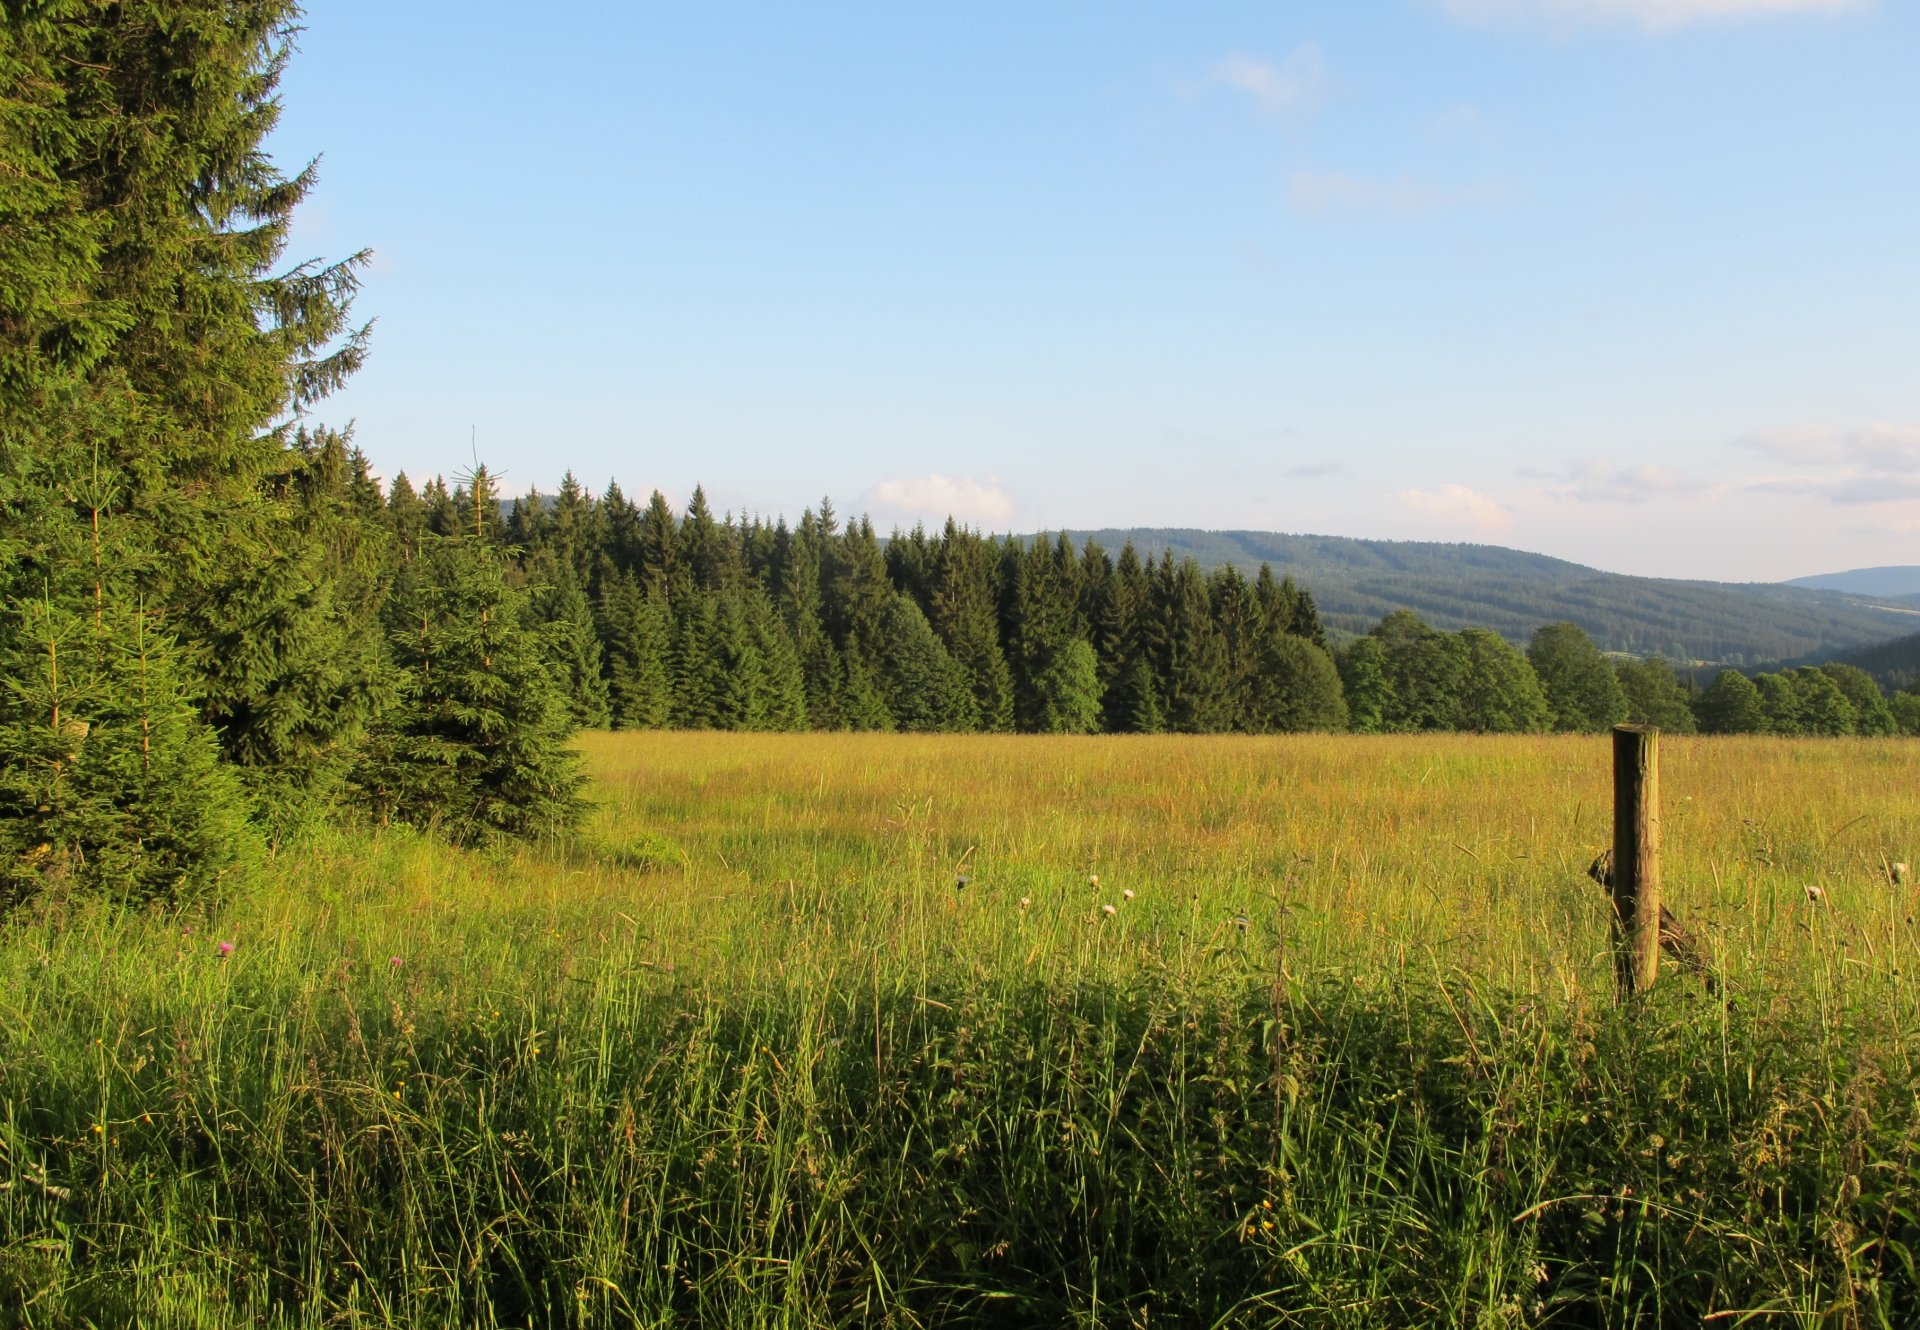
pixel 748 1055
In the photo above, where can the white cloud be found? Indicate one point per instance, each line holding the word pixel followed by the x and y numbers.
pixel 937 497
pixel 1458 503
pixel 1875 447
pixel 1601 481
pixel 1324 193
pixel 1655 15
pixel 1850 465
pixel 1295 85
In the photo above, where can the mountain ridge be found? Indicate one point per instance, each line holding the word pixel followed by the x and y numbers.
pixel 1357 581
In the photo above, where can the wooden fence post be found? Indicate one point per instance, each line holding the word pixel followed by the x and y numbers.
pixel 1636 854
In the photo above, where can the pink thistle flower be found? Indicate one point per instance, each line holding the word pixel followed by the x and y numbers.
pixel 226 948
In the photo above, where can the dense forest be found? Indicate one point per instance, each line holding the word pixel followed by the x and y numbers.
pixel 217 628
pixel 712 622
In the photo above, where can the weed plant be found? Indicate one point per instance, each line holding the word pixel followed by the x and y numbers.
pixel 837 1030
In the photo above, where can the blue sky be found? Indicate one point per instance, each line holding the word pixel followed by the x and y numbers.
pixel 1632 282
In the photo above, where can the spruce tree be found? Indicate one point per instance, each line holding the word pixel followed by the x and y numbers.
pixel 560 616
pixel 1069 688
pixel 478 744
pixel 1192 654
pixel 147 294
pixel 961 597
pixel 699 682
pixel 636 636
pixel 924 687
pixel 1130 700
pixel 781 700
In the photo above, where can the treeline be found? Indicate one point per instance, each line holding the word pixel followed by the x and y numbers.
pixel 1405 676
pixel 662 619
pixel 695 621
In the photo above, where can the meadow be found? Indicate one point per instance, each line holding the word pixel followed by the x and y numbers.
pixel 815 1030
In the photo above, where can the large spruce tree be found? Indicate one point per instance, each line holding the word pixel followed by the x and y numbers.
pixel 155 346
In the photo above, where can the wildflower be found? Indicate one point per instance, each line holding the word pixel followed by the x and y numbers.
pixel 226 948
pixel 960 883
pixel 1025 901
pixel 395 962
pixel 1814 893
pixel 99 1130
pixel 1093 879
pixel 1127 895
pixel 1107 910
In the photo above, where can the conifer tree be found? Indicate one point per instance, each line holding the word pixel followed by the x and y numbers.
pixel 924 688
pixel 636 636
pixel 1069 688
pixel 574 530
pixel 405 518
pixel 1039 616
pixel 1125 629
pixel 859 702
pixel 110 780
pixel 619 550
pixel 704 546
pixel 781 699
pixel 660 563
pixel 1238 622
pixel 477 745
pixel 858 594
pixel 1192 654
pixel 699 683
pixel 559 614
pixel 962 610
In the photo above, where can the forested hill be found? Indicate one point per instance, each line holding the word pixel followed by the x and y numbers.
pixel 1902 582
pixel 1895 664
pixel 1356 582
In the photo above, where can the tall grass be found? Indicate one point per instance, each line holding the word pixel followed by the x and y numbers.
pixel 823 1030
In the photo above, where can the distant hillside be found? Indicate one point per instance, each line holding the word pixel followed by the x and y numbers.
pixel 1356 582
pixel 1899 581
pixel 1895 664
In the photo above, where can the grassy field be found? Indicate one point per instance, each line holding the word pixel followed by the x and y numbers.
pixel 835 1030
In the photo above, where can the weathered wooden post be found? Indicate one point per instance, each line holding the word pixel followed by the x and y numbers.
pixel 1636 854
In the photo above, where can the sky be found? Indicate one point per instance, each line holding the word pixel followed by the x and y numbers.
pixel 1630 282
